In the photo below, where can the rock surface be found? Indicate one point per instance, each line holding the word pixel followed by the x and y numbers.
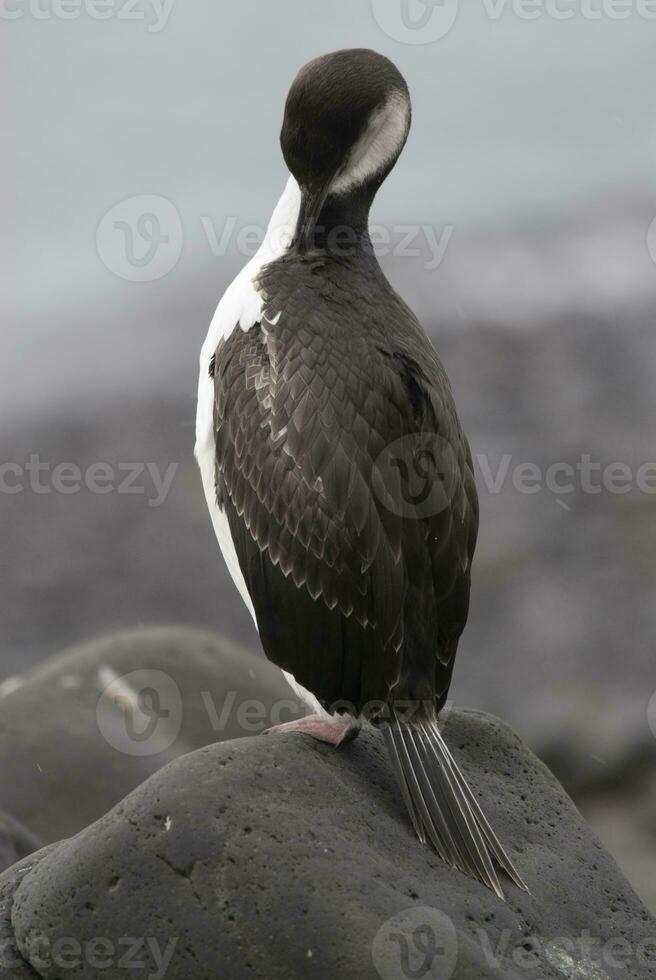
pixel 78 733
pixel 277 857
pixel 16 841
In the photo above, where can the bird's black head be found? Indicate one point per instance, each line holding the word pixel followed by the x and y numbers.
pixel 346 121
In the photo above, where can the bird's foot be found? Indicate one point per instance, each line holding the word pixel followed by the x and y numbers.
pixel 334 729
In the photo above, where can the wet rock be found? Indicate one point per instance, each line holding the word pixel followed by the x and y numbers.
pixel 82 730
pixel 278 857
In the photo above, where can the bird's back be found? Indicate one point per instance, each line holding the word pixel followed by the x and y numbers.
pixel 347 483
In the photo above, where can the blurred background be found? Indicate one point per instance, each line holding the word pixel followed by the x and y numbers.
pixel 139 165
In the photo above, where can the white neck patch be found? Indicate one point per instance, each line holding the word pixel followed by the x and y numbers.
pixel 379 143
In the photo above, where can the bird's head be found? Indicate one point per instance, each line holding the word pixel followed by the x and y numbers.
pixel 347 118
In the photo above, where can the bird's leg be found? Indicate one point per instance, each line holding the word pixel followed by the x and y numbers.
pixel 334 729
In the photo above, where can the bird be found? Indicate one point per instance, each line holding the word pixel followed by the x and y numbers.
pixel 338 478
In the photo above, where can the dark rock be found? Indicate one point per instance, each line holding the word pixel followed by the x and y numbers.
pixel 67 751
pixel 16 841
pixel 277 857
pixel 12 963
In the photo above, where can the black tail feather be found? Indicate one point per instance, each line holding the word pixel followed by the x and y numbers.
pixel 493 842
pixel 405 791
pixel 442 806
pixel 428 811
pixel 479 863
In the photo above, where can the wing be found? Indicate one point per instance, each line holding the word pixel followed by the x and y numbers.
pixel 324 434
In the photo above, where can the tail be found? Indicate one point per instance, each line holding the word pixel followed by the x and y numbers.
pixel 441 805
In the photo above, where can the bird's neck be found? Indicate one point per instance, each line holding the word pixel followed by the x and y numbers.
pixel 342 227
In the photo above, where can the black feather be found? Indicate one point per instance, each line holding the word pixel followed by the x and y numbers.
pixel 307 416
pixel 441 805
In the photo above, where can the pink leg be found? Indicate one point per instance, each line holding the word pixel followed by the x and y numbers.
pixel 333 729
